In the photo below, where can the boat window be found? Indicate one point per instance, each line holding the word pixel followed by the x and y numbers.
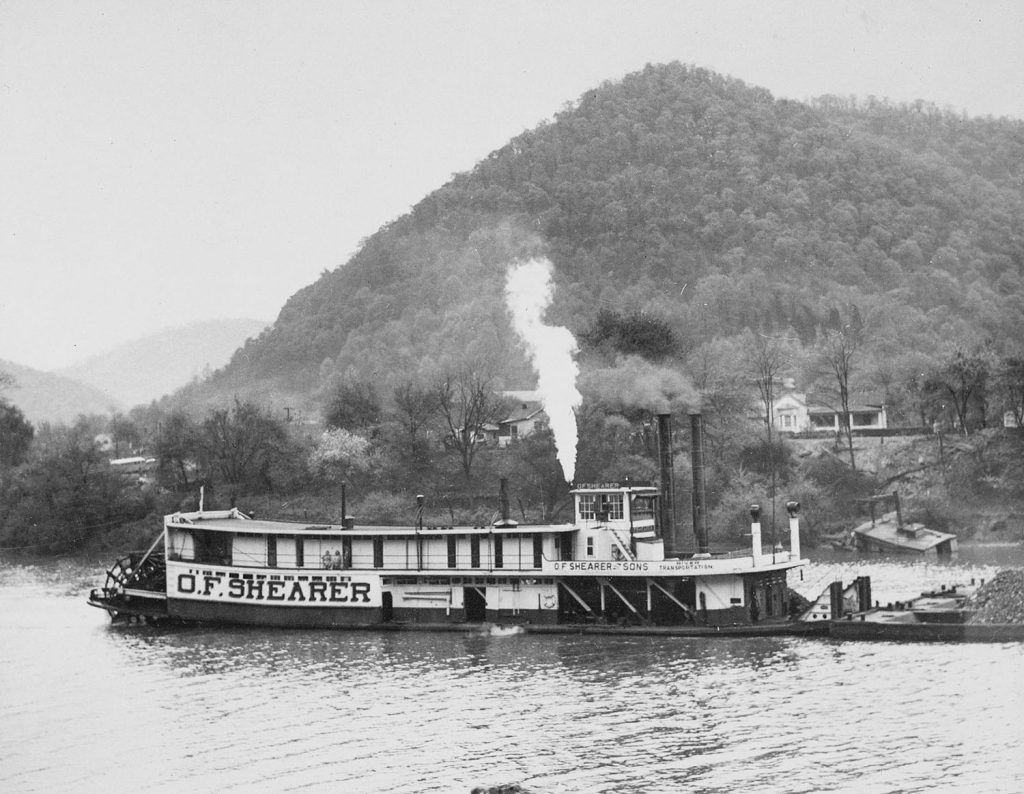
pixel 563 547
pixel 590 547
pixel 300 552
pixel 378 552
pixel 586 505
pixel 643 506
pixel 538 551
pixel 603 506
pixel 271 551
pixel 180 545
pixel 212 547
pixel 612 505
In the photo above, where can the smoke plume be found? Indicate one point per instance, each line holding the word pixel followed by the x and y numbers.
pixel 634 382
pixel 528 291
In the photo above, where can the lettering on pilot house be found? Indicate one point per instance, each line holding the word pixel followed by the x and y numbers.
pixel 296 592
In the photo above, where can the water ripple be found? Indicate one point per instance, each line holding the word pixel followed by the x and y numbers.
pixel 87 706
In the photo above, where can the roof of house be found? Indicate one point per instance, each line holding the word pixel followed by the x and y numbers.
pixel 522 411
pixel 821 404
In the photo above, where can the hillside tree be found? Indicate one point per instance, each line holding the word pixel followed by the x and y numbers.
pixel 467 402
pixel 838 351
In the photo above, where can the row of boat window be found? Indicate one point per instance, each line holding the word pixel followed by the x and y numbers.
pixel 224 548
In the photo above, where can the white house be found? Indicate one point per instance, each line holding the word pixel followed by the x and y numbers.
pixel 524 417
pixel 796 412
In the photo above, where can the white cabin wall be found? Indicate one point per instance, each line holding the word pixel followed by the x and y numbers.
pixel 399 553
pixel 718 594
pixel 286 551
pixel 528 596
pixel 362 552
pixel 249 550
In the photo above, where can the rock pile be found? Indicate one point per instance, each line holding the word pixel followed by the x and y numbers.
pixel 1000 600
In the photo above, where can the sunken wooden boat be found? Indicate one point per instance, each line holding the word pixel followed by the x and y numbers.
pixel 890 534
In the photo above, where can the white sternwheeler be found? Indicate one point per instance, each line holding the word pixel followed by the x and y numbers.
pixel 613 569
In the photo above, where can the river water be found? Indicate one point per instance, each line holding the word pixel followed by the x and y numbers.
pixel 87 706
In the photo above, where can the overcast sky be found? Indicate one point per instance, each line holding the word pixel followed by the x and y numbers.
pixel 166 162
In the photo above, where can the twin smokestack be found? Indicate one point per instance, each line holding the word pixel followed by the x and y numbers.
pixel 700 527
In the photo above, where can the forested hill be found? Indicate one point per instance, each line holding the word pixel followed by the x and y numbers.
pixel 694 198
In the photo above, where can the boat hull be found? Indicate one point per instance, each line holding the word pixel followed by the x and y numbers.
pixel 924 631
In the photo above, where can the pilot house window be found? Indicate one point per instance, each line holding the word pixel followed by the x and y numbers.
pixel 601 506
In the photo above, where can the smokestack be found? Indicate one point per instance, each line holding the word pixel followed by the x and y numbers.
pixel 504 499
pixel 504 521
pixel 700 525
pixel 668 501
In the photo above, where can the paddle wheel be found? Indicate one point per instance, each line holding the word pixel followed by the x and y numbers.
pixel 135 588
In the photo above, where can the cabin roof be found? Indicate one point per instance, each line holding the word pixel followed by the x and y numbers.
pixel 263 527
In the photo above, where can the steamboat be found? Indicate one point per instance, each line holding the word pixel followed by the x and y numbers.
pixel 614 568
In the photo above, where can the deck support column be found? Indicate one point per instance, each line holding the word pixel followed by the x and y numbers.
pixel 686 610
pixel 575 595
pixel 607 583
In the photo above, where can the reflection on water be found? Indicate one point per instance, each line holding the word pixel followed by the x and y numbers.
pixel 89 706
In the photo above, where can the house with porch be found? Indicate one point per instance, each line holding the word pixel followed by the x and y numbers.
pixel 797 412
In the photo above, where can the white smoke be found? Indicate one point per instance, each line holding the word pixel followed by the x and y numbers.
pixel 528 291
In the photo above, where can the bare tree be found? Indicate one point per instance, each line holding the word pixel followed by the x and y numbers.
pixel 767 357
pixel 837 351
pixel 467 402
pixel 414 409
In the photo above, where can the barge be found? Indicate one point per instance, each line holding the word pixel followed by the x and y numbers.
pixel 943 615
pixel 614 568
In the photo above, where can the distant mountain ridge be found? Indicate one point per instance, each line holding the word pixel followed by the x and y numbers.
pixel 48 397
pixel 155 365
pixel 695 198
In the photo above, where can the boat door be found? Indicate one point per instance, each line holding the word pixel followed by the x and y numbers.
pixel 387 606
pixel 475 604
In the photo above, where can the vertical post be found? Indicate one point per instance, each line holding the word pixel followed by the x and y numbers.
pixel 700 526
pixel 755 533
pixel 863 593
pixel 504 499
pixel 899 512
pixel 667 502
pixel 794 529
pixel 420 499
pixel 835 593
